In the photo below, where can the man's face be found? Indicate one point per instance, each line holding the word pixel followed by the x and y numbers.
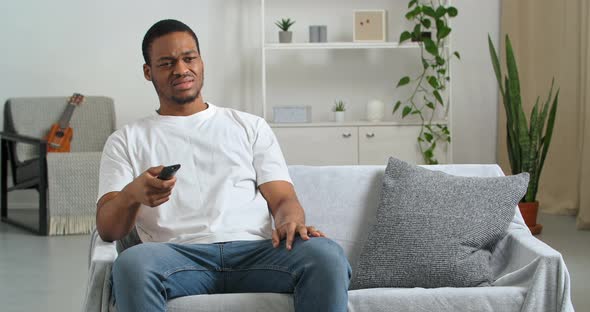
pixel 176 68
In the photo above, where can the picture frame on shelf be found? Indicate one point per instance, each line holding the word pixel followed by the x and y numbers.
pixel 369 26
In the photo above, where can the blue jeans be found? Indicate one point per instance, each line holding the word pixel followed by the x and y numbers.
pixel 316 271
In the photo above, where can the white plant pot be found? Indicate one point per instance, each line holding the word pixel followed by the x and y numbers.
pixel 339 116
pixel 375 110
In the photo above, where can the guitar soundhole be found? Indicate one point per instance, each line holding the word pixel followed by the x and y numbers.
pixel 59 134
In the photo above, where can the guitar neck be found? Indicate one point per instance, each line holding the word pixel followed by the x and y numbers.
pixel 64 121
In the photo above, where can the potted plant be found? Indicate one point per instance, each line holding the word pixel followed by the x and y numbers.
pixel 339 109
pixel 285 36
pixel 431 28
pixel 528 142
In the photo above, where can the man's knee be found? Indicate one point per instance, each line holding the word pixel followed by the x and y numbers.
pixel 325 255
pixel 135 263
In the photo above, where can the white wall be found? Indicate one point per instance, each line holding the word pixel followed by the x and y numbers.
pixel 94 47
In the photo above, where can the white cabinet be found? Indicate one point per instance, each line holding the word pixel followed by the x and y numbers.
pixel 352 144
pixel 377 144
pixel 319 145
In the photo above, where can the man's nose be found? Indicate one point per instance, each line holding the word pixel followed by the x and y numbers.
pixel 180 68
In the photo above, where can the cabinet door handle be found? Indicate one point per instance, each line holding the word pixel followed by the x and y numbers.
pixel 370 135
pixel 347 135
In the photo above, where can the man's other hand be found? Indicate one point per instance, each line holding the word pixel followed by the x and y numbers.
pixel 288 231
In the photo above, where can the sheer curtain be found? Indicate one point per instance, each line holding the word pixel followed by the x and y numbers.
pixel 584 185
pixel 550 39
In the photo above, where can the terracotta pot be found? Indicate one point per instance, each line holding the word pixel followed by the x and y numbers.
pixel 529 213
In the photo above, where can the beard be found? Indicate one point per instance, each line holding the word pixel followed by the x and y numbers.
pixel 180 100
pixel 184 100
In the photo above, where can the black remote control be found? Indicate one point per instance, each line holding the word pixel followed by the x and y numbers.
pixel 168 172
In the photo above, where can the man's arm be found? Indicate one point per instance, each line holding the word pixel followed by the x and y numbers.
pixel 287 212
pixel 115 215
pixel 116 211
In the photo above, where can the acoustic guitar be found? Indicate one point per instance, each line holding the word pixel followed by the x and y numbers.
pixel 60 135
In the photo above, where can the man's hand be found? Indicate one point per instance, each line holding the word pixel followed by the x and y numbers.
pixel 148 190
pixel 287 213
pixel 116 211
pixel 288 230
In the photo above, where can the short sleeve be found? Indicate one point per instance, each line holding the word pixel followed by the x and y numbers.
pixel 269 162
pixel 115 167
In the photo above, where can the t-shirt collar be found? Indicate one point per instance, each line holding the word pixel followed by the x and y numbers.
pixel 196 117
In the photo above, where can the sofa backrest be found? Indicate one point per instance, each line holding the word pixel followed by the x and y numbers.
pixel 342 201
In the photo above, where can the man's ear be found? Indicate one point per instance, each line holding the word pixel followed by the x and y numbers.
pixel 147 72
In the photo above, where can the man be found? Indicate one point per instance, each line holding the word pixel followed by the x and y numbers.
pixel 208 229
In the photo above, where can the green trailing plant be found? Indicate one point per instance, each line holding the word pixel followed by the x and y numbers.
pixel 339 106
pixel 429 87
pixel 284 24
pixel 528 142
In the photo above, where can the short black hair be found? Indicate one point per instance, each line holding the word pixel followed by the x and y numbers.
pixel 163 28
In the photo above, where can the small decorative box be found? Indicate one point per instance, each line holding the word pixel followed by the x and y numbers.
pixel 294 114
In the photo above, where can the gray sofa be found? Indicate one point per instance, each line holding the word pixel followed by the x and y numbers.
pixel 342 201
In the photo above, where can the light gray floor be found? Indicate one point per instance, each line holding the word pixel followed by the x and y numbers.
pixel 560 233
pixel 49 273
pixel 41 273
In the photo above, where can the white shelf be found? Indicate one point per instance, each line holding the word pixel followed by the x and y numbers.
pixel 405 131
pixel 359 123
pixel 339 45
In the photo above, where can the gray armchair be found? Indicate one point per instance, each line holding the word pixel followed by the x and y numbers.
pixel 66 182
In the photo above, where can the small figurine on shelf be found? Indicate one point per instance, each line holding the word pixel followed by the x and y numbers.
pixel 339 110
pixel 285 36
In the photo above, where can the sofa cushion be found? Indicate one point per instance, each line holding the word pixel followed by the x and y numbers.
pixel 436 230
pixel 373 300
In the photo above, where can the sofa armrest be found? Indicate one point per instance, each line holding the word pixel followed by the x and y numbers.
pixel 12 138
pixel 19 138
pixel 102 255
pixel 522 260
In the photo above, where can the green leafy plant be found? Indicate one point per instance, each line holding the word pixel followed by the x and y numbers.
pixel 284 24
pixel 428 88
pixel 528 142
pixel 339 106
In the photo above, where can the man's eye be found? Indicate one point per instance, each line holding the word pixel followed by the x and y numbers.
pixel 189 59
pixel 167 64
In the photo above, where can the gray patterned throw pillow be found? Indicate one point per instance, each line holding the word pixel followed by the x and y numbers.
pixel 436 230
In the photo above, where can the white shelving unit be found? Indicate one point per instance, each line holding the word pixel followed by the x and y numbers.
pixel 359 123
pixel 359 133
pixel 339 45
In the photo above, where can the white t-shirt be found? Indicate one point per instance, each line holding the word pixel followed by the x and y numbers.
pixel 224 156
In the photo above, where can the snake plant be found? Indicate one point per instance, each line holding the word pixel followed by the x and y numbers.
pixel 528 142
